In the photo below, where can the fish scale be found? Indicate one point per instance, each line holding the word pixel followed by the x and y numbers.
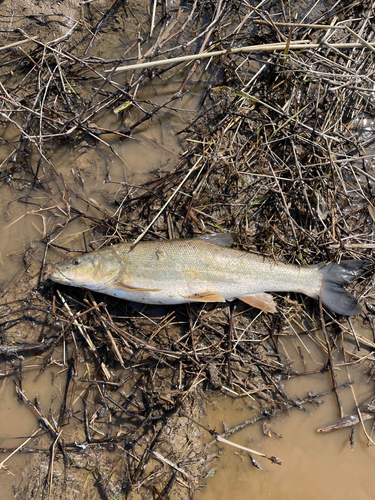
pixel 204 270
pixel 232 270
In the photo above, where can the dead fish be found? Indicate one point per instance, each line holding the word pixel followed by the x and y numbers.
pixel 204 269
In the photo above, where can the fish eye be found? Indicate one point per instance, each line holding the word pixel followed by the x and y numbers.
pixel 76 262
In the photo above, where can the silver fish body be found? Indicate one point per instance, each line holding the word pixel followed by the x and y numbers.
pixel 180 271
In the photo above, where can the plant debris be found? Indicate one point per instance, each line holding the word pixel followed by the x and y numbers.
pixel 279 153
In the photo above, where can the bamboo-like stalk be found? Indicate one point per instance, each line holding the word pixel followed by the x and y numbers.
pixel 15 44
pixel 153 18
pixel 267 47
pixel 220 439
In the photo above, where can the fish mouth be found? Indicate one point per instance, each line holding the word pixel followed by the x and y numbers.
pixel 58 276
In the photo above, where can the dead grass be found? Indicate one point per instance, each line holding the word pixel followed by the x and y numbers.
pixel 277 154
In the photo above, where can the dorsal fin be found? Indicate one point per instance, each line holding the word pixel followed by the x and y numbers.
pixel 219 239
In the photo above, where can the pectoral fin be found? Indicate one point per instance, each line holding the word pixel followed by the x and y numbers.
pixel 205 297
pixel 135 289
pixel 262 301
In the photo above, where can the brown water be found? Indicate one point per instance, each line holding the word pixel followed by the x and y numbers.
pixel 80 173
pixel 313 465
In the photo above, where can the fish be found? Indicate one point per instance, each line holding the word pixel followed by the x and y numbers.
pixel 205 269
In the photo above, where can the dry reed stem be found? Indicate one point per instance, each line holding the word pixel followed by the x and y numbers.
pixel 279 158
pixel 297 45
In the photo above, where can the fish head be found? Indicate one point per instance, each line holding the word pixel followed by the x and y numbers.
pixel 79 271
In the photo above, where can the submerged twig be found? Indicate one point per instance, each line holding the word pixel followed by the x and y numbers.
pixel 220 439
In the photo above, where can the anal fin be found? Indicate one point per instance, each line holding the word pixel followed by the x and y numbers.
pixel 263 301
pixel 205 297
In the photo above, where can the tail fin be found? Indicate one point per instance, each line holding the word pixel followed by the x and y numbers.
pixel 335 276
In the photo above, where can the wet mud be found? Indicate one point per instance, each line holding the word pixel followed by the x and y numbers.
pixel 116 400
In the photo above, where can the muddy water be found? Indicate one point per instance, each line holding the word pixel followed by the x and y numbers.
pixel 313 465
pixel 89 179
pixel 94 174
pixel 19 425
